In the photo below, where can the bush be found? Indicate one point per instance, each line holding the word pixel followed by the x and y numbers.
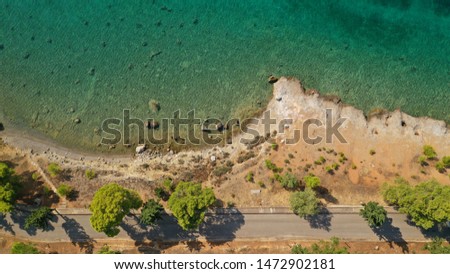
pixel 65 190
pixel 291 156
pixel 372 152
pixel 54 169
pixel 151 212
pixel 23 248
pixel 289 181
pixel 311 181
pixel 274 146
pixel 429 152
pixel 250 177
pixel 322 247
pixel 90 174
pixel 35 176
pixel 161 193
pixel 107 250
pixel 423 160
pixel 446 161
pixel 437 247
pixel 168 185
pixel 440 167
pixel 222 170
pixel 271 166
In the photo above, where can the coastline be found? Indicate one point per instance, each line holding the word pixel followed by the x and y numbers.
pixel 32 140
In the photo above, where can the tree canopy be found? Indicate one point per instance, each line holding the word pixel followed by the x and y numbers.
pixel 189 203
pixel 374 214
pixel 289 181
pixel 322 247
pixel 304 203
pixel 437 247
pixel 311 181
pixel 39 218
pixel 8 185
pixel 151 212
pixel 427 203
pixel 110 205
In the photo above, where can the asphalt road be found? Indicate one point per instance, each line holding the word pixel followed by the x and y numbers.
pixel 226 227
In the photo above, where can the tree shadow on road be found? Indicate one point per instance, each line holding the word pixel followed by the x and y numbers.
pixel 322 220
pixel 391 234
pixel 78 235
pixel 220 228
pixel 439 230
pixel 19 216
pixel 148 238
pixel 5 225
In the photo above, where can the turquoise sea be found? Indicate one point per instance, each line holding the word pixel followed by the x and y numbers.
pixel 89 60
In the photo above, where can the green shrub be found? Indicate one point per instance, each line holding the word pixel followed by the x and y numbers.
pixel 271 166
pixel 423 160
pixel 286 161
pixel 23 248
pixel 168 185
pixel 161 193
pixel 446 161
pixel 329 170
pixel 261 184
pixel 54 169
pixel 221 170
pixel 354 166
pixel 291 156
pixel 274 146
pixel 35 176
pixel 289 181
pixel 312 181
pixel 335 166
pixel 429 152
pixel 90 174
pixel 64 190
pixel 372 152
pixel 107 250
pixel 440 167
pixel 249 177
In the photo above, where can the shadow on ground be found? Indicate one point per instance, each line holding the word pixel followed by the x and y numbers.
pixel 6 226
pixel 225 225
pixel 321 220
pixel 392 235
pixel 78 235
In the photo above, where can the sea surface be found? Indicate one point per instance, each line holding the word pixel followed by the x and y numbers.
pixel 65 66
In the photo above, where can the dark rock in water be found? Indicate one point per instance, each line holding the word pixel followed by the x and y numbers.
pixel 91 71
pixel 26 55
pixel 77 120
pixel 103 44
pixel 2 127
pixel 144 44
pixel 219 127
pixel 2 47
pixel 272 79
pixel 151 124
pixel 195 22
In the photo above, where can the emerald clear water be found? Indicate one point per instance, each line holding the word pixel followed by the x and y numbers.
pixel 62 60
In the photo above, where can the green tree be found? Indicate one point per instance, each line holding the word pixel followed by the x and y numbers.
pixel 90 174
pixel 8 187
pixel 107 250
pixel 151 212
pixel 65 190
pixel 311 181
pixel 322 247
pixel 189 203
pixel 39 218
pixel 54 169
pixel 446 161
pixel 427 203
pixel 437 247
pixel 304 203
pixel 110 205
pixel 289 181
pixel 23 248
pixel 374 214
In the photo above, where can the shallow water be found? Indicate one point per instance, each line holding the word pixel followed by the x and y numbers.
pixel 63 60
